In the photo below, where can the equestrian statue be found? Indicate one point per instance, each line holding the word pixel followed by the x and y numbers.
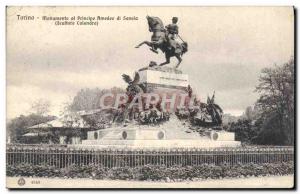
pixel 165 39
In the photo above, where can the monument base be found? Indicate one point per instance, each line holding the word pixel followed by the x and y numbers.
pixel 172 134
pixel 159 143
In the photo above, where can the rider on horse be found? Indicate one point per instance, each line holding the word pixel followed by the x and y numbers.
pixel 172 31
pixel 164 38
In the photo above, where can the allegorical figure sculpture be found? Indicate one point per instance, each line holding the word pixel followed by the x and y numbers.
pixel 210 114
pixel 164 38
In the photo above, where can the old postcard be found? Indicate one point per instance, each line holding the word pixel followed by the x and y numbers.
pixel 150 97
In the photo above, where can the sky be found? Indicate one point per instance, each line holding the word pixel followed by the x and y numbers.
pixel 228 47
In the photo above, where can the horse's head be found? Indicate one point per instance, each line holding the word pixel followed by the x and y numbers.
pixel 154 23
pixel 150 20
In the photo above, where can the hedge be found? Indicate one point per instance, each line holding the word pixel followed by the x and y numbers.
pixel 154 172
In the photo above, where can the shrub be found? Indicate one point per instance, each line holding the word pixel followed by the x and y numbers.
pixel 153 172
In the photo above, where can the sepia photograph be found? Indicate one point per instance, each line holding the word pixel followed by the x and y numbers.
pixel 150 97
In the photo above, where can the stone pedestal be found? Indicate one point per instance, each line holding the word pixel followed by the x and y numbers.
pixel 159 79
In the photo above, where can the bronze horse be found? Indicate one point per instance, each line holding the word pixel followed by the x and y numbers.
pixel 159 40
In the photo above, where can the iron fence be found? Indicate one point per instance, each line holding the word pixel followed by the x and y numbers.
pixel 63 157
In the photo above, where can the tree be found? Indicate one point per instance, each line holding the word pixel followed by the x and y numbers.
pixel 17 126
pixel 41 107
pixel 89 99
pixel 276 103
pixel 269 133
pixel 249 113
pixel 245 131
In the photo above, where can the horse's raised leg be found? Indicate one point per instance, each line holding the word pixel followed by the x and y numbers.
pixel 138 46
pixel 179 60
pixel 150 44
pixel 167 60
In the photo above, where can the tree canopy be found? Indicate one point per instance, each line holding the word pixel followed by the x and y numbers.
pixel 271 122
pixel 276 102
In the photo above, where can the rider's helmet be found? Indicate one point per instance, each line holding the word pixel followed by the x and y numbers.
pixel 175 20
